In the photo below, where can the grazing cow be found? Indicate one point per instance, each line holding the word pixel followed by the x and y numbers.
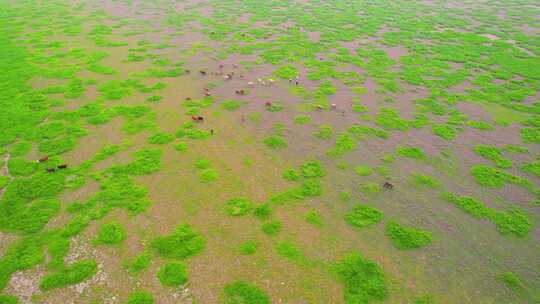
pixel 239 92
pixel 51 170
pixel 211 131
pixel 234 66
pixel 268 104
pixel 241 76
pixel 221 66
pixel 188 98
pixel 333 106
pixel 297 82
pixel 227 76
pixel 388 186
pixel 207 93
pixel 200 118
pixel 187 71
pixel 290 79
pixel 203 73
pixel 250 84
pixel 63 166
pixel 243 119
pixel 43 159
pixel 259 80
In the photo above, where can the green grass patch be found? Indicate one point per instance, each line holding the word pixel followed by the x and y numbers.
pixel 494 154
pixel 531 168
pixel 238 206
pixel 425 181
pixel 138 263
pixel 240 292
pixel 495 178
pixel 275 142
pixel 110 234
pixel 288 71
pixel 511 280
pixel 140 297
pixel 272 227
pixel 231 105
pixel 173 274
pixel 362 216
pixel 403 237
pixel 324 132
pixel 364 280
pixel 263 211
pixel 444 131
pixel 161 138
pixel 182 243
pixel 314 218
pixel 77 272
pixel 363 170
pixel 411 152
pixel 312 169
pixel 291 175
pixel 248 247
pixel 302 119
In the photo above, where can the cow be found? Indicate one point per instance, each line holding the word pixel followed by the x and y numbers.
pixel 63 166
pixel 239 92
pixel 43 159
pixel 187 71
pixel 188 98
pixel 203 73
pixel 268 104
pixel 333 106
pixel 51 170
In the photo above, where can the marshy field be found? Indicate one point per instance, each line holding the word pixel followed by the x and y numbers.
pixel 256 152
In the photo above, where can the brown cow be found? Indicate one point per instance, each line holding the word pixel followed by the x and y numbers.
pixel 388 186
pixel 43 159
pixel 268 104
pixel 203 73
pixel 51 170
pixel 63 166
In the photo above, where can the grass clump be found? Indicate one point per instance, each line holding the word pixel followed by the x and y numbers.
pixel 248 248
pixel 425 180
pixel 161 138
pixel 138 263
pixel 21 167
pixel 312 169
pixel 275 142
pixel 363 279
pixel 495 178
pixel 444 131
pixel 324 132
pixel 173 274
pixel 272 227
pixel 263 211
pixel 77 272
pixel 311 188
pixel 275 107
pixel 291 175
pixel 532 168
pixel 238 206
pixel 494 154
pixel 345 142
pixel 361 216
pixel 288 71
pixel 110 234
pixel 182 243
pixel 302 119
pixel 208 175
pixel 411 152
pixel 314 218
pixel 7 299
pixel 363 170
pixel 289 251
pixel 240 292
pixel 181 146
pixel 370 188
pixel 511 280
pixel 140 297
pixel 407 237
pixel 231 105
pixel 203 163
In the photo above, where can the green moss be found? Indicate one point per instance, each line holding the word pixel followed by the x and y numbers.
pixel 313 217
pixel 231 105
pixel 361 216
pixel 411 152
pixel 161 138
pixel 363 170
pixel 275 142
pixel 114 89
pixel 75 273
pixel 238 206
pixel 21 167
pixel 182 243
pixel 20 149
pixel 173 274
pixel 140 297
pixel 110 234
pixel 302 119
pixel 248 248
pixel 312 169
pixel 403 237
pixel 363 279
pixel 56 146
pixel 271 228
pixel 240 292
pixel 324 132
